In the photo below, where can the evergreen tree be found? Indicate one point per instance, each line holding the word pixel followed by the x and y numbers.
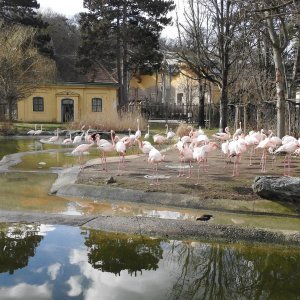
pixel 24 12
pixel 123 35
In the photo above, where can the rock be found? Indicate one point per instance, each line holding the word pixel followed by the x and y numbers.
pixel 283 188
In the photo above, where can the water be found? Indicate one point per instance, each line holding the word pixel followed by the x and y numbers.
pixel 61 262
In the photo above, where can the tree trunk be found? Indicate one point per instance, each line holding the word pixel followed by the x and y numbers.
pixel 224 102
pixel 119 63
pixel 280 103
pixel 278 62
pixel 125 57
pixel 201 120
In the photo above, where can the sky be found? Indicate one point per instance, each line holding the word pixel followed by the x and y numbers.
pixel 72 7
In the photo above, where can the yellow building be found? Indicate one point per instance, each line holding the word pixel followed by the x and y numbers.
pixel 66 102
pixel 173 86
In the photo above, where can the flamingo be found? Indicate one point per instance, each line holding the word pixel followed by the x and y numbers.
pixel 288 149
pixel 200 154
pixel 155 157
pixel 225 150
pixel 144 146
pixel 264 145
pixel 80 149
pixel 252 141
pixel 159 139
pixel 32 131
pixel 68 140
pixel 138 133
pixel 236 148
pixel 106 147
pixel 147 135
pixel 131 137
pixel 170 133
pixel 39 131
pixel 186 154
pixel 222 136
pixel 78 138
pixel 54 138
pixel 120 146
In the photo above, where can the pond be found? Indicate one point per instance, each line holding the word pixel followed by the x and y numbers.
pixel 62 262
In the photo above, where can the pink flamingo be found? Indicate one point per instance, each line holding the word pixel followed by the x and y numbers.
pixel 200 154
pixel 186 154
pixel 265 144
pixel 144 146
pixel 155 157
pixel 170 133
pixel 288 149
pixel 222 136
pixel 81 149
pixel 54 138
pixel 105 147
pixel 68 141
pixel 236 148
pixel 120 146
pixel 159 139
pixel 138 132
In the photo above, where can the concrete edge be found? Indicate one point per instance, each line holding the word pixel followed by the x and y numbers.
pixel 160 228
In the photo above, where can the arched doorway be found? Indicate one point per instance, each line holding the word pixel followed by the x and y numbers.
pixel 67 110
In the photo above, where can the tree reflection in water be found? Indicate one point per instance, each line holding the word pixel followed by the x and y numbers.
pixel 17 244
pixel 110 252
pixel 216 271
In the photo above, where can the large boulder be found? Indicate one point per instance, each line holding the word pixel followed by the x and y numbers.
pixel 277 188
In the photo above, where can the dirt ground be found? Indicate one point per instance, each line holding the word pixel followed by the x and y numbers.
pixel 216 183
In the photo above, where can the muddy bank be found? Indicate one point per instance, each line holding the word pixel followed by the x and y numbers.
pixel 163 228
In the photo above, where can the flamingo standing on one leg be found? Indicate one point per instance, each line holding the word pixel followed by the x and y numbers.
pixel 155 157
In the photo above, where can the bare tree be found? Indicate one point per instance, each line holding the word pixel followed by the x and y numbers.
pixel 274 19
pixel 22 68
pixel 212 40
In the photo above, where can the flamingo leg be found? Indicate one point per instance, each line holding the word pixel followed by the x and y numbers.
pixel 251 155
pixel 263 161
pixel 190 170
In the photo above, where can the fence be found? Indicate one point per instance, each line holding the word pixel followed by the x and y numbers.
pixel 252 116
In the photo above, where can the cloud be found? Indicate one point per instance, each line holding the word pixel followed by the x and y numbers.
pixel 26 292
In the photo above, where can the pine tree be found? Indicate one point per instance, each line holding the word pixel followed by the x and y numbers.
pixel 123 35
pixel 24 12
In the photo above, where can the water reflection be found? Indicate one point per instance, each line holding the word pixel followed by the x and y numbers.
pixel 114 253
pixel 65 263
pixel 17 245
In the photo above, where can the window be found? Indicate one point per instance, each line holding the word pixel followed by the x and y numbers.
pixel 38 104
pixel 96 104
pixel 179 98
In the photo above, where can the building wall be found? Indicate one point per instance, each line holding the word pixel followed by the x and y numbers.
pixel 144 87
pixel 81 94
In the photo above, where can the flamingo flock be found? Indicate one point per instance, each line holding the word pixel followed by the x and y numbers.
pixel 193 147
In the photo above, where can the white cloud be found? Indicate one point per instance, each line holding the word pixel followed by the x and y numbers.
pixel 26 292
pixel 75 286
pixel 53 270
